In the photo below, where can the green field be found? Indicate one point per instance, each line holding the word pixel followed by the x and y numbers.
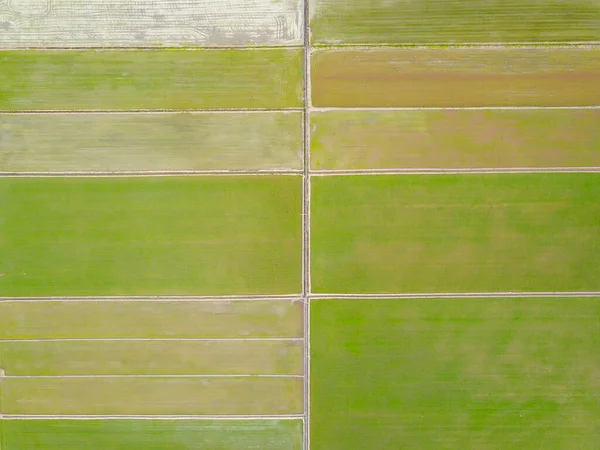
pixel 113 142
pixel 151 319
pixel 159 79
pixel 455 77
pixel 455 139
pixel 152 434
pixel 434 21
pixel 485 374
pixel 455 233
pixel 155 236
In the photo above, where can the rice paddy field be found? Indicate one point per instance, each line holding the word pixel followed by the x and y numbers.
pixel 299 224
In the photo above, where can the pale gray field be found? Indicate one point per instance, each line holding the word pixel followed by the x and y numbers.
pixel 85 23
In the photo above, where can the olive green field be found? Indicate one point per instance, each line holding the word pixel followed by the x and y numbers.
pixel 453 21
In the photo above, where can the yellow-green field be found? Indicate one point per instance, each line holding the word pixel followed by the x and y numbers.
pixel 151 236
pixel 455 373
pixel 455 233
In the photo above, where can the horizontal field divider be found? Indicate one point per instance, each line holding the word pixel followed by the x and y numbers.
pixel 431 171
pixel 152 173
pixel 157 298
pixel 135 339
pixel 320 109
pixel 155 376
pixel 455 295
pixel 125 48
pixel 459 45
pixel 151 111
pixel 291 172
pixel 153 417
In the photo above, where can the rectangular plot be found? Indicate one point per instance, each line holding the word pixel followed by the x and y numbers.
pixel 152 358
pixel 113 142
pixel 455 139
pixel 152 396
pixel 455 373
pixel 153 434
pixel 159 79
pixel 455 233
pixel 434 21
pixel 152 319
pixel 48 23
pixel 151 236
pixel 417 77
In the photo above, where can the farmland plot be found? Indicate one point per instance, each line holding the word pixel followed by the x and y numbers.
pixel 455 233
pixel 455 139
pixel 453 21
pixel 156 142
pixel 84 23
pixel 154 236
pixel 142 79
pixel 455 373
pixel 154 434
pixel 456 77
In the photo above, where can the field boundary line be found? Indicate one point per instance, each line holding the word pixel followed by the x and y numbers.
pixel 459 45
pixel 132 48
pixel 153 417
pixel 141 339
pixel 322 109
pixel 150 173
pixel 2 376
pixel 306 223
pixel 157 298
pixel 430 171
pixel 22 112
pixel 456 295
pixel 187 376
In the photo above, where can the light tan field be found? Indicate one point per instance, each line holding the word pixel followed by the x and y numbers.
pixel 455 139
pixel 31 23
pixel 456 77
pixel 113 142
pixel 152 357
pixel 152 396
pixel 151 319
